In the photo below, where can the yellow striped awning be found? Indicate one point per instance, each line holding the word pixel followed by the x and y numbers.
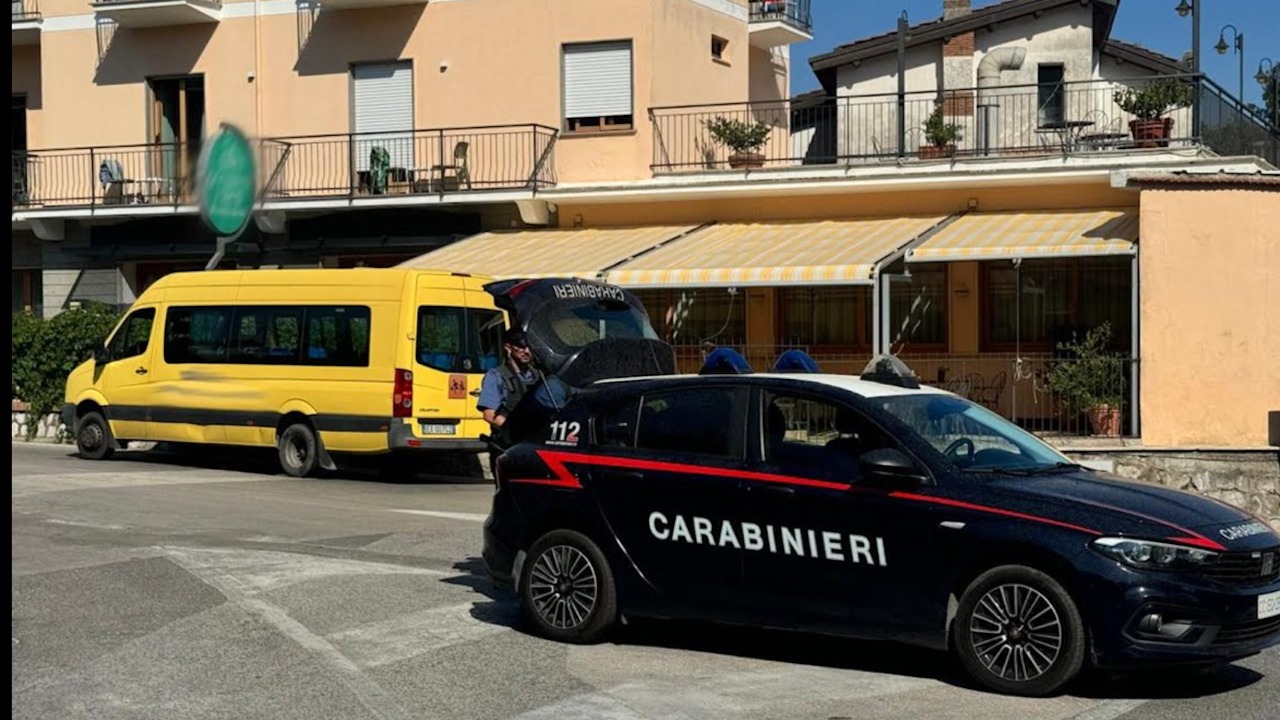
pixel 579 253
pixel 821 252
pixel 1056 233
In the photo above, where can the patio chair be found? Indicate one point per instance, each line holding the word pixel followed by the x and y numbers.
pixel 459 171
pixel 111 178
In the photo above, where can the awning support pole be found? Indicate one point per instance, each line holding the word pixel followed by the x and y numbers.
pixel 1135 347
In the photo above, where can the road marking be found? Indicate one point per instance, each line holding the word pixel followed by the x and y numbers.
pixel 379 703
pixel 266 570
pixel 470 517
pixel 1109 710
pixel 414 634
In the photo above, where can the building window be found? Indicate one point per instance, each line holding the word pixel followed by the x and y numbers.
pixel 719 48
pixel 918 310
pixel 1051 99
pixel 828 317
pixel 691 317
pixel 1045 301
pixel 597 87
pixel 28 291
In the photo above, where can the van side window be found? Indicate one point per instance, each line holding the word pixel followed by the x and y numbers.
pixel 337 336
pixel 196 335
pixel 133 336
pixel 267 335
pixel 698 422
pixel 486 327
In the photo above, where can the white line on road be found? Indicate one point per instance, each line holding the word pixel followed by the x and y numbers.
pixel 470 517
pixel 1109 710
pixel 414 634
pixel 380 704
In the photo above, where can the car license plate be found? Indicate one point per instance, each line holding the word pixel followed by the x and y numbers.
pixel 1268 605
pixel 439 429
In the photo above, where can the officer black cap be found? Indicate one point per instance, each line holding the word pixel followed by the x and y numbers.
pixel 514 337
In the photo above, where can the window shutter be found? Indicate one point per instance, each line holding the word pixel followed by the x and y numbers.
pixel 597 79
pixel 383 99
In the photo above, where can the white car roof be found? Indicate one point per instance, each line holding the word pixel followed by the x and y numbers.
pixel 852 383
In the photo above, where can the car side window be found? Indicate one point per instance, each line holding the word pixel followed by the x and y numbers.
pixel 615 425
pixel 134 335
pixel 817 436
pixel 694 421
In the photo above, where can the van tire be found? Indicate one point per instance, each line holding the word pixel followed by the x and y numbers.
pixel 93 437
pixel 299 450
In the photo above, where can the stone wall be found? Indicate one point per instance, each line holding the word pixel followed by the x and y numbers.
pixel 1249 479
pixel 49 428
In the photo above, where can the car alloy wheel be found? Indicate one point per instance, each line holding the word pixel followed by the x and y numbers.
pixel 563 587
pixel 1016 632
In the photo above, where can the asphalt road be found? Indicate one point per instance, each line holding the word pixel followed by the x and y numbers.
pixel 163 586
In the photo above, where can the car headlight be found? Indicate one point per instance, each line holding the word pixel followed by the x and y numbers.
pixel 1150 555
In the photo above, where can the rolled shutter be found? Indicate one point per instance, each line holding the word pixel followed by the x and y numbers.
pixel 383 99
pixel 597 79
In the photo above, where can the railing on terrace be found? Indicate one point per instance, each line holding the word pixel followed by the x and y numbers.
pixel 792 12
pixel 1081 118
pixel 24 10
pixel 1229 127
pixel 503 157
pixel 112 175
pixel 211 4
pixel 1018 387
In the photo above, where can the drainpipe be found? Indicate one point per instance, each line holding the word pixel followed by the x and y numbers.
pixel 989 70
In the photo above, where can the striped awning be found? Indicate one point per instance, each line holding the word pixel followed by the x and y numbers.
pixel 579 253
pixel 1057 233
pixel 822 252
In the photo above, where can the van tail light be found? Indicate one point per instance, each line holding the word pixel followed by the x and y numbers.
pixel 402 394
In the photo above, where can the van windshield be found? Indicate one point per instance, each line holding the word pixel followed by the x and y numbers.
pixel 455 339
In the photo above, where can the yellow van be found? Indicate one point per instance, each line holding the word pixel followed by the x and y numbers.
pixel 311 362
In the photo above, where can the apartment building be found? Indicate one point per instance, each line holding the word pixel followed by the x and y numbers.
pixel 969 211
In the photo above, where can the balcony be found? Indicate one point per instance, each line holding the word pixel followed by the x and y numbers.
pixel 1008 122
pixel 440 162
pixel 779 22
pixel 140 178
pixel 158 13
pixel 365 4
pixel 26 22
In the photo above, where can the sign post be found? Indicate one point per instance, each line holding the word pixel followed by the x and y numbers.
pixel 226 187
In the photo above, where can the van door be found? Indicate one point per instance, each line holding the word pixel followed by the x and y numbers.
pixel 124 376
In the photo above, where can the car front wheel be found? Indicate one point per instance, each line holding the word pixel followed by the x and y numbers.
pixel 1018 631
pixel 566 588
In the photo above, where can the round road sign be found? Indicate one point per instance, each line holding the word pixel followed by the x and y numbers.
pixel 226 182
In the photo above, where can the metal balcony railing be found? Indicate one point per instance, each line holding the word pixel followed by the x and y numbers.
pixel 210 4
pixel 24 10
pixel 1006 121
pixel 447 160
pixel 792 12
pixel 114 175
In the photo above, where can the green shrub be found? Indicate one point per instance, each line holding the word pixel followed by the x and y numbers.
pixel 46 351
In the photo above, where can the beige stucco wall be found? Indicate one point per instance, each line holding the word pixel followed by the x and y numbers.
pixel 1210 317
pixel 476 62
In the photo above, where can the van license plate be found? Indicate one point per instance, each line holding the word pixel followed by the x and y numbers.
pixel 439 429
pixel 1268 605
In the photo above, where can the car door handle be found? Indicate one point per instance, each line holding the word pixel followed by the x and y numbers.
pixel 626 474
pixel 779 489
pixel 141 371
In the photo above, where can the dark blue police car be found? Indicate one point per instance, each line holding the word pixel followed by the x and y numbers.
pixel 870 506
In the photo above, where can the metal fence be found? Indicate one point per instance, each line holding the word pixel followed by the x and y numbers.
pixel 25 10
pixel 792 12
pixel 1229 127
pixel 504 157
pixel 1008 121
pixel 114 175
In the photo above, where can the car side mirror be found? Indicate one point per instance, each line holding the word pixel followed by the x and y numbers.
pixel 891 466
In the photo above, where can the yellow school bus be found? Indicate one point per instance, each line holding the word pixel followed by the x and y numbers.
pixel 311 362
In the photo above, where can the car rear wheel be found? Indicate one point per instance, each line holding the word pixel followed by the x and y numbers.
pixel 1018 631
pixel 566 588
pixel 298 450
pixel 93 437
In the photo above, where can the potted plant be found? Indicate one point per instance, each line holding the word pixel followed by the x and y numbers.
pixel 1091 380
pixel 743 139
pixel 1149 105
pixel 942 136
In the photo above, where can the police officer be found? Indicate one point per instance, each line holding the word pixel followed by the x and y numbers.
pixel 504 386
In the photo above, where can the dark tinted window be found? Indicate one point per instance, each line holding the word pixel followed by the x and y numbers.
pixel 688 421
pixel 133 336
pixel 616 424
pixel 337 335
pixel 454 339
pixel 817 437
pixel 196 335
pixel 266 335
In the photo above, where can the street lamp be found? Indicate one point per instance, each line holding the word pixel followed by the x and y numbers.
pixel 1192 8
pixel 1272 74
pixel 1221 47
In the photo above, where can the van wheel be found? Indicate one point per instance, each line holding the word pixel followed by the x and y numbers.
pixel 566 588
pixel 298 450
pixel 93 437
pixel 1019 632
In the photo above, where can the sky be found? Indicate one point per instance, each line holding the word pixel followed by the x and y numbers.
pixel 1152 23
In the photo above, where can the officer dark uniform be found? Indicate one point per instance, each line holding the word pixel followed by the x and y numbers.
pixel 504 386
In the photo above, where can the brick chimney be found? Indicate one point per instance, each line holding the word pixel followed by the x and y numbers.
pixel 954 8
pixel 957 63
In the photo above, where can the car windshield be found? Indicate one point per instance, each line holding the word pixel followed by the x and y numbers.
pixel 973 437
pixel 575 325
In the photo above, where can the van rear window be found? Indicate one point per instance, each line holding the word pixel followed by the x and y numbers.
pixel 455 339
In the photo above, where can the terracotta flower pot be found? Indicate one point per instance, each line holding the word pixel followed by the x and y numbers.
pixel 738 161
pixel 1106 420
pixel 937 152
pixel 1153 132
